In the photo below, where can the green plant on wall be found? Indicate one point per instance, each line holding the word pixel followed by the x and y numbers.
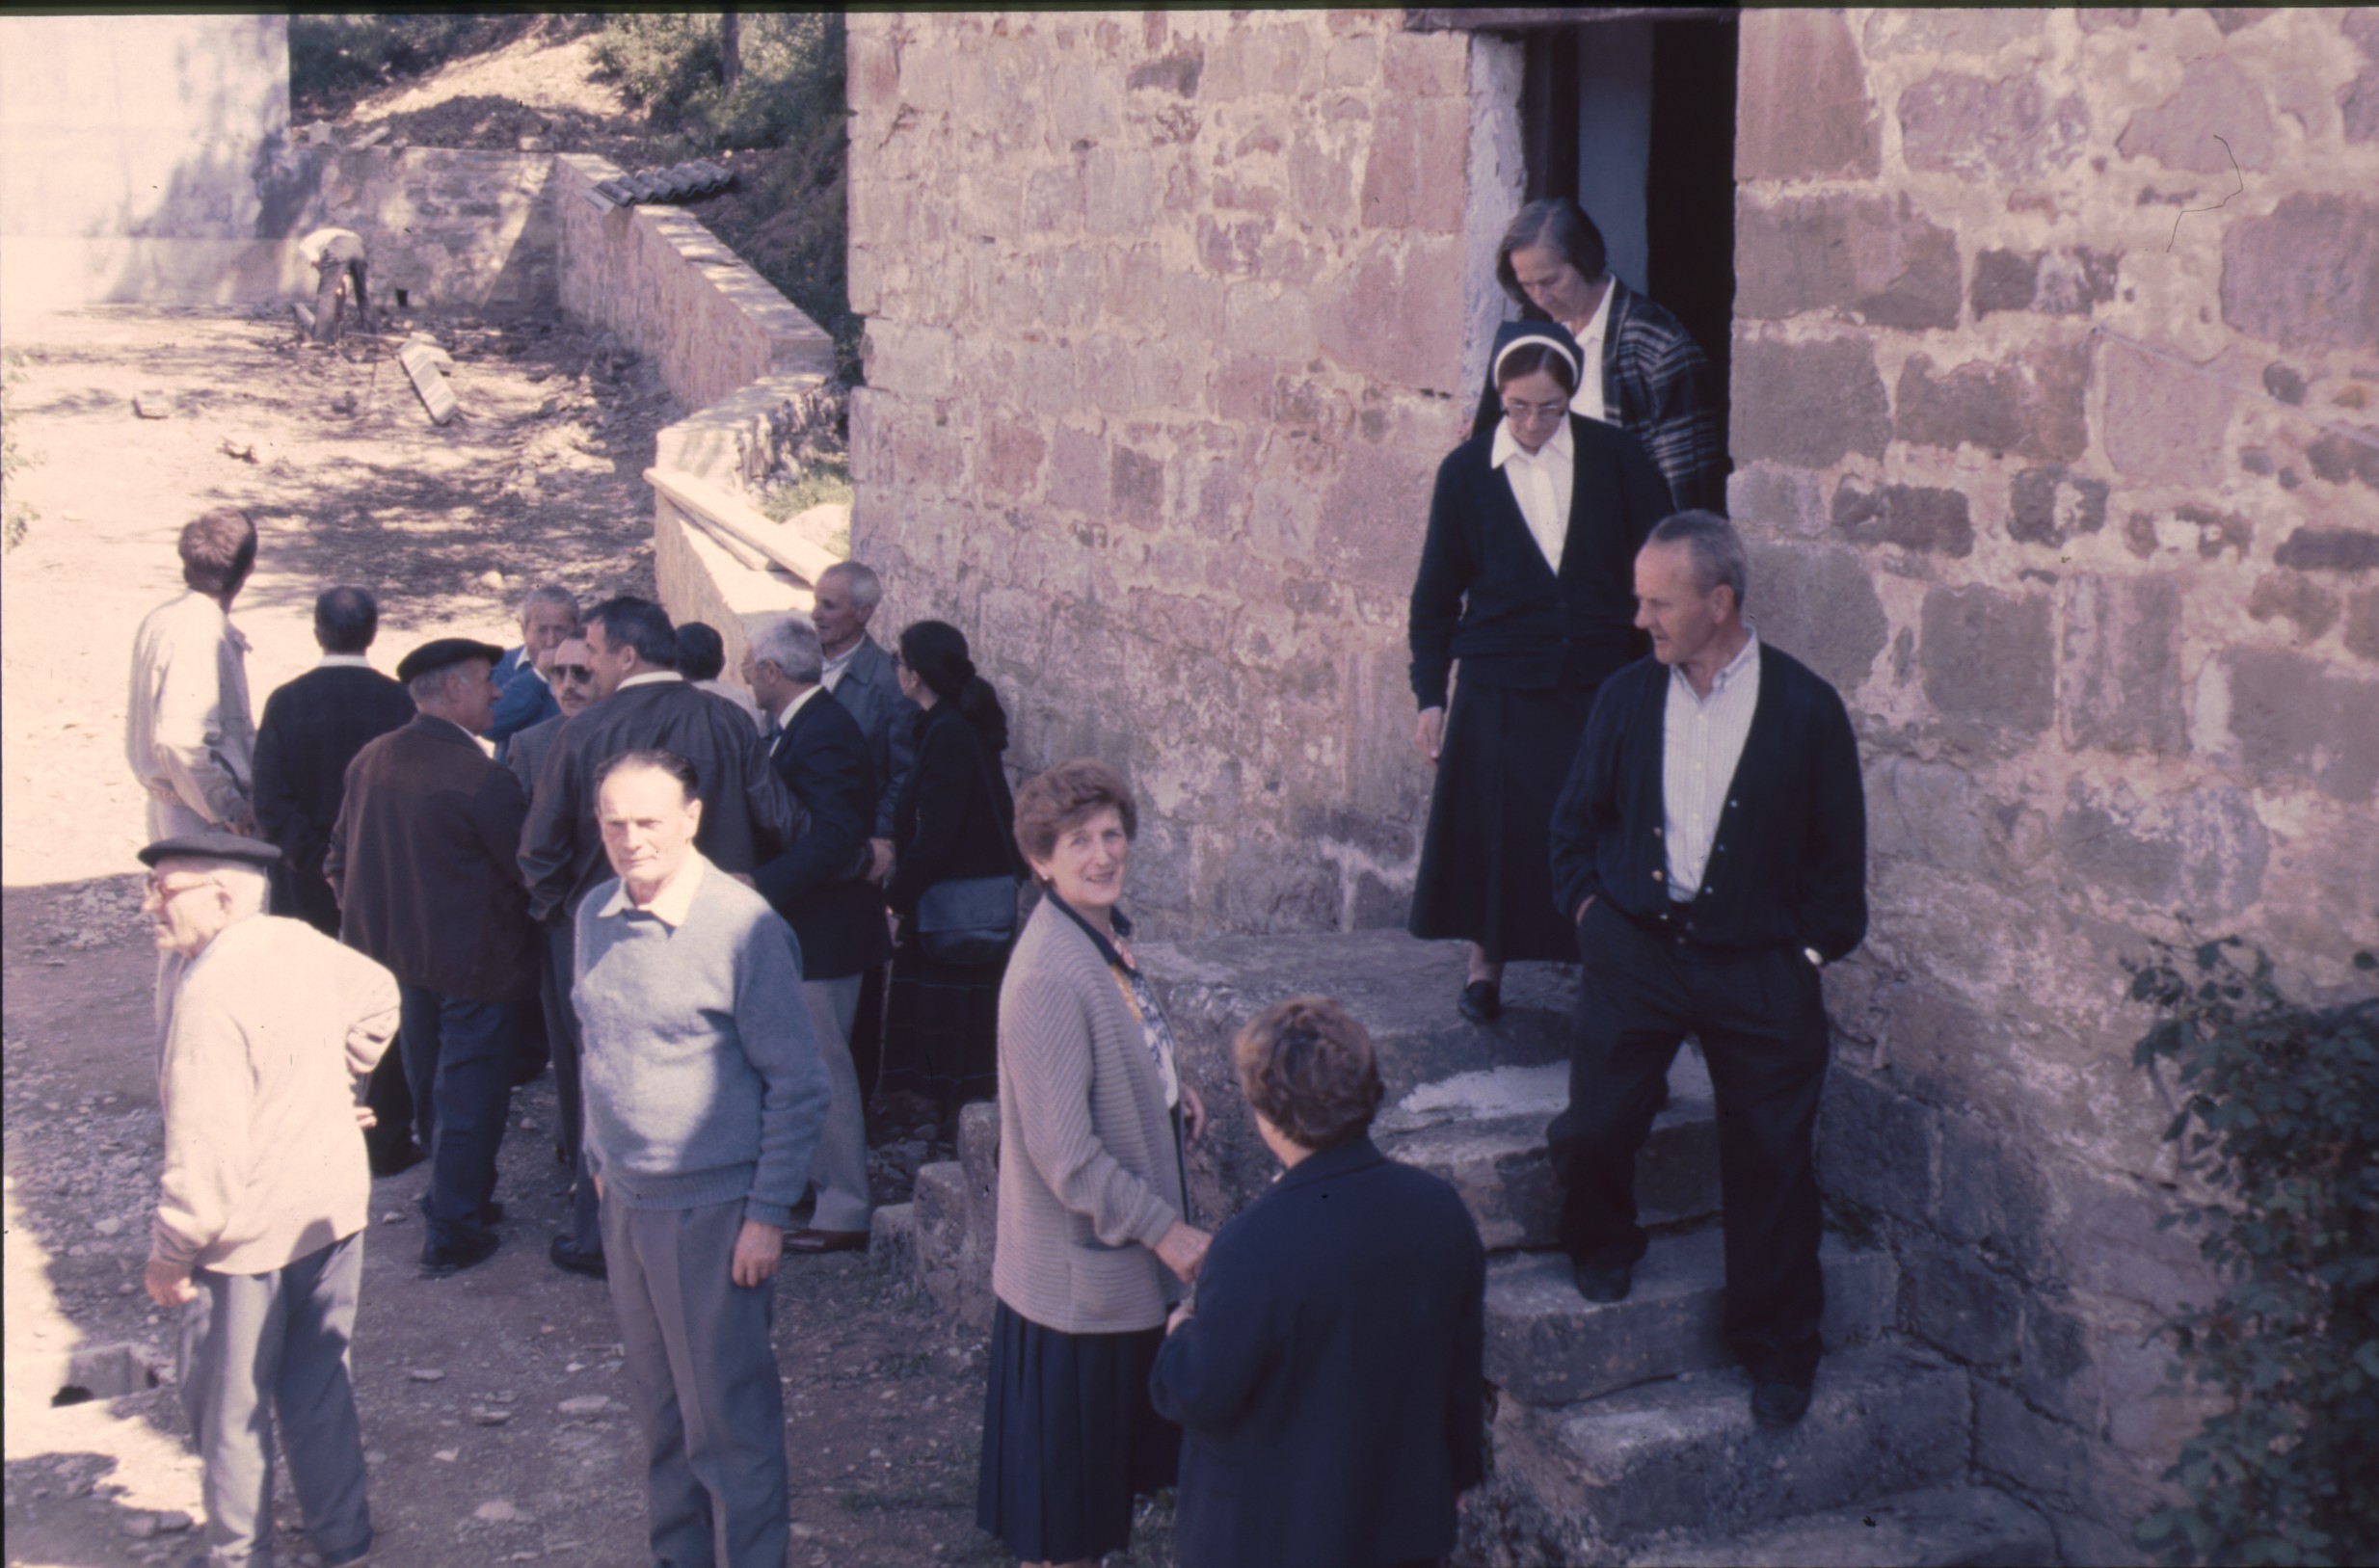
pixel 2280 1120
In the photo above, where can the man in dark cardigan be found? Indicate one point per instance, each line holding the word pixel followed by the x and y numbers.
pixel 1711 845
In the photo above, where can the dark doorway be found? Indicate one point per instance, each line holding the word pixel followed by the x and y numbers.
pixel 1635 117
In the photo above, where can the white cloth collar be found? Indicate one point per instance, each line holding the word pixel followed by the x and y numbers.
pixel 1596 325
pixel 343 661
pixel 648 678
pixel 1746 659
pixel 675 898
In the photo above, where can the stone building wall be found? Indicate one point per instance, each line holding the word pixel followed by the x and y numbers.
pixel 1167 332
pixel 456 230
pixel 2080 509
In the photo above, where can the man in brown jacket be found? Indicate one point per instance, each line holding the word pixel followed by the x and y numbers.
pixel 424 862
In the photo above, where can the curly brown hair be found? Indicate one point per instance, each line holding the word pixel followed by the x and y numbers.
pixel 1065 796
pixel 1309 1067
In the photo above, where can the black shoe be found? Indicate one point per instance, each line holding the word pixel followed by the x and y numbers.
pixel 1603 1283
pixel 467 1250
pixel 1482 1001
pixel 569 1260
pixel 1780 1404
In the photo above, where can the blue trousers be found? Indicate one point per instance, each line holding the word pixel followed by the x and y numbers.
pixel 253 1344
pixel 703 1377
pixel 458 1063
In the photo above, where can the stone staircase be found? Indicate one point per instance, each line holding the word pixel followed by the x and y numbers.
pixel 1620 1433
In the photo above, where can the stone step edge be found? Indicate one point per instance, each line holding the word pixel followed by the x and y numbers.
pixel 1968 1526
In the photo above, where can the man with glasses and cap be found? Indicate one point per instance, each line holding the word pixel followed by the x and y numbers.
pixel 1524 584
pixel 423 858
pixel 257 1240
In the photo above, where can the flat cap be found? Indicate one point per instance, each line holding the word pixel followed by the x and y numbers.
pixel 445 651
pixel 213 846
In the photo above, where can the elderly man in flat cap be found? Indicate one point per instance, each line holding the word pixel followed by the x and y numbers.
pixel 259 1230
pixel 423 858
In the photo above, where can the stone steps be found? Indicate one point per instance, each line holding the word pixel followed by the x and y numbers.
pixel 1547 1346
pixel 1586 1483
pixel 1484 1132
pixel 1947 1526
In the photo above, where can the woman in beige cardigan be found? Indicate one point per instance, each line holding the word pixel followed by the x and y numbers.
pixel 1094 1119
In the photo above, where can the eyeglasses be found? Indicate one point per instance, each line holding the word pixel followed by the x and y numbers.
pixel 1534 413
pixel 163 892
pixel 573 671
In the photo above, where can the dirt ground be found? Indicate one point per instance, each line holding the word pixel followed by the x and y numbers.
pixel 462 1383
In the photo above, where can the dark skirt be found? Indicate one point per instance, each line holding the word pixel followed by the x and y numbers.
pixel 1485 865
pixel 941 1027
pixel 1069 1439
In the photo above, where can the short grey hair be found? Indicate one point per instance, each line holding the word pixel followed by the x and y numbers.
pixel 867 588
pixel 552 593
pixel 430 684
pixel 1717 549
pixel 790 644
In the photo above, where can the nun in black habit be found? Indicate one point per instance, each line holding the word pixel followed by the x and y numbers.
pixel 1527 583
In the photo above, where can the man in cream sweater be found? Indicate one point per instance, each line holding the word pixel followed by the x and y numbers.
pixel 258 1234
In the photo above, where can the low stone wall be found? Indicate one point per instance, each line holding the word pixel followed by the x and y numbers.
pixel 728 346
pixel 453 229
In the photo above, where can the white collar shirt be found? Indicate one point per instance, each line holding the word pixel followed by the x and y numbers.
pixel 648 678
pixel 1541 482
pixel 1590 334
pixel 343 661
pixel 671 902
pixel 836 666
pixel 1701 745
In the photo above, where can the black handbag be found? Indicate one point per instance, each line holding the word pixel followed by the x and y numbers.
pixel 970 919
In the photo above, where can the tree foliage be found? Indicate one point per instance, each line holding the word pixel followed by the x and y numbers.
pixel 2280 1121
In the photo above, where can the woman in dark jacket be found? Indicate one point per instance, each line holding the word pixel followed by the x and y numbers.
pixel 1326 1374
pixel 1527 580
pixel 951 821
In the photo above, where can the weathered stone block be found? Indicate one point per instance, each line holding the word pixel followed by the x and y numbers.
pixel 2099 850
pixel 1982 30
pixel 2358 106
pixel 2030 405
pixel 1321 184
pixel 2120 679
pixel 2290 718
pixel 1926 811
pixel 1008 461
pixel 2109 1244
pixel 1808 404
pixel 2217 99
pixel 1413 177
pixel 2061 283
pixel 2004 281
pixel 2039 1456
pixel 2162 424
pixel 2048 506
pixel 2329 549
pixel 2336 459
pixel 2055 1369
pixel 1989 661
pixel 1956 1302
pixel 1819 605
pixel 1885 265
pixel 2305 603
pixel 1993 1194
pixel 1910 516
pixel 1803 110
pixel 1427 65
pixel 1953 123
pixel 2303 274
pixel 1777 500
pixel 2362 635
pixel 1365 536
pixel 1396 314
pixel 1078 472
pixel 1876 1146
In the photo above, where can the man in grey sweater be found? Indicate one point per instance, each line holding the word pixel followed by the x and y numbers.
pixel 704 1099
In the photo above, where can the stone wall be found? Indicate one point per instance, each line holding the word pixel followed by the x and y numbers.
pixel 454 230
pixel 1168 323
pixel 2075 492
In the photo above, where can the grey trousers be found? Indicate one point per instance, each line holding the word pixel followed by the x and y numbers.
pixel 838 1165
pixel 253 1344
pixel 703 1377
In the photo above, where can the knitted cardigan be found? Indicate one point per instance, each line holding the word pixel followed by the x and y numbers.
pixel 1090 1172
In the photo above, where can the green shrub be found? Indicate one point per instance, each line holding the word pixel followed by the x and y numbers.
pixel 789 97
pixel 336 57
pixel 2281 1122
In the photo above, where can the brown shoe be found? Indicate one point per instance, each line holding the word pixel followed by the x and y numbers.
pixel 807 1239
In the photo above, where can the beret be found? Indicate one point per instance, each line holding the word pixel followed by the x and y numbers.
pixel 445 651
pixel 213 846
